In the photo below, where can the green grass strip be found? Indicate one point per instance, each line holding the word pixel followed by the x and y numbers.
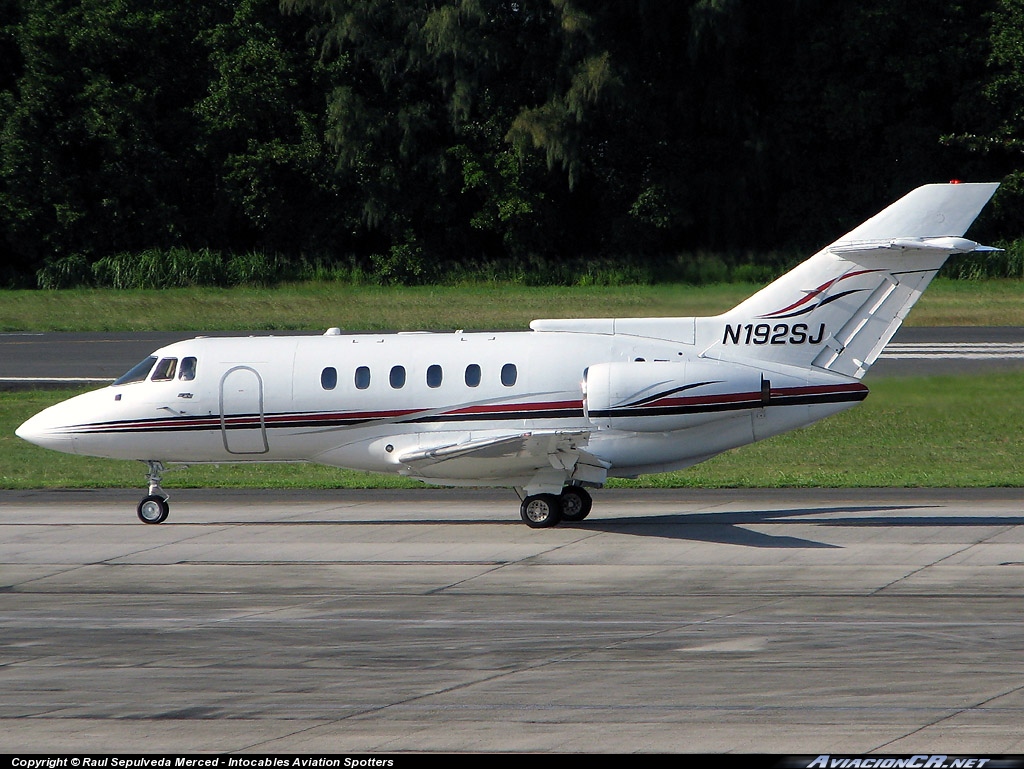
pixel 317 306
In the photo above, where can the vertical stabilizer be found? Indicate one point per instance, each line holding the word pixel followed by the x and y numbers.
pixel 839 309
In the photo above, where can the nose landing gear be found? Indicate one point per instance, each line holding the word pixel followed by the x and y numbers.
pixel 154 508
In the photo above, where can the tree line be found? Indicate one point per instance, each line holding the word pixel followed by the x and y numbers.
pixel 407 139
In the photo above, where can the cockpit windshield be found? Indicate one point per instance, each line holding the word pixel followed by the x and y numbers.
pixel 138 373
pixel 164 371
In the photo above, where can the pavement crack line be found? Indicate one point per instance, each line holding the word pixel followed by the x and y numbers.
pixel 516 562
pixel 109 561
pixel 936 562
pixel 948 717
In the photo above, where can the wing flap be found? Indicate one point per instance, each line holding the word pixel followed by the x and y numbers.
pixel 551 452
pixel 501 447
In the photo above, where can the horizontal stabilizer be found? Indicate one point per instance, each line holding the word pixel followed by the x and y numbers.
pixel 946 246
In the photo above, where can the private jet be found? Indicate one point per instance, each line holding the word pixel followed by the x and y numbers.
pixel 549 412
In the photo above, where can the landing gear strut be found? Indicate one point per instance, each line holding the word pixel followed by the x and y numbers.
pixel 154 508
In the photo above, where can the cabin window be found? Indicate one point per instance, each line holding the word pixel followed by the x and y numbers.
pixel 509 374
pixel 362 377
pixel 434 376
pixel 187 372
pixel 473 375
pixel 138 372
pixel 397 377
pixel 165 370
pixel 329 378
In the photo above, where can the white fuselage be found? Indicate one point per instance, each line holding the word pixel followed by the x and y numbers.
pixel 366 401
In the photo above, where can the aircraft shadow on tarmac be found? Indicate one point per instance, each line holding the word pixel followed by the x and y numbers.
pixel 729 528
pixel 722 528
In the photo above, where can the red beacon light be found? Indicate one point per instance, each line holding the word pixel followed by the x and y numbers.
pixel 955 181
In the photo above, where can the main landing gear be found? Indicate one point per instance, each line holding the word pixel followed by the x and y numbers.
pixel 541 511
pixel 154 508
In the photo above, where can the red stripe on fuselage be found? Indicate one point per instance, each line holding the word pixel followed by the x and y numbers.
pixel 508 411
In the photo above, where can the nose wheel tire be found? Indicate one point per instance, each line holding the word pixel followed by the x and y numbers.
pixel 576 503
pixel 153 509
pixel 541 511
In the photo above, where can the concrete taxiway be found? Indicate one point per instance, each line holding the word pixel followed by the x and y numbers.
pixel 790 621
pixel 35 360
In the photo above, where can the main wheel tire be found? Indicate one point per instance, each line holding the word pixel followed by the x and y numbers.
pixel 541 511
pixel 153 509
pixel 576 503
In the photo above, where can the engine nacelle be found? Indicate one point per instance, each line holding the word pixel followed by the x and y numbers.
pixel 663 396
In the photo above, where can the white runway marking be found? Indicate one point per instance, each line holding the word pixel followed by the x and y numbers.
pixel 55 380
pixel 955 351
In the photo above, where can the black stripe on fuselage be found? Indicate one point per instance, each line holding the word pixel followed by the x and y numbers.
pixel 298 421
pixel 754 400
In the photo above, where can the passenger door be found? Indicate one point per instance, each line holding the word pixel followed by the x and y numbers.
pixel 242 420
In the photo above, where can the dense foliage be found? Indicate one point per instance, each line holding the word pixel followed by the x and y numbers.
pixel 404 140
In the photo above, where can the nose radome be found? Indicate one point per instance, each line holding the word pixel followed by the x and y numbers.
pixel 50 427
pixel 26 431
pixel 65 426
pixel 43 431
pixel 35 428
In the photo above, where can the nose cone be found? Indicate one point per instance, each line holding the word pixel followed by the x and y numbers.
pixel 61 426
pixel 49 429
pixel 28 430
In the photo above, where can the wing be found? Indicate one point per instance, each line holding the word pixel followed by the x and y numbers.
pixel 541 461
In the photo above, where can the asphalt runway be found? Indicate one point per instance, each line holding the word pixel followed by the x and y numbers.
pixel 33 360
pixel 783 621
